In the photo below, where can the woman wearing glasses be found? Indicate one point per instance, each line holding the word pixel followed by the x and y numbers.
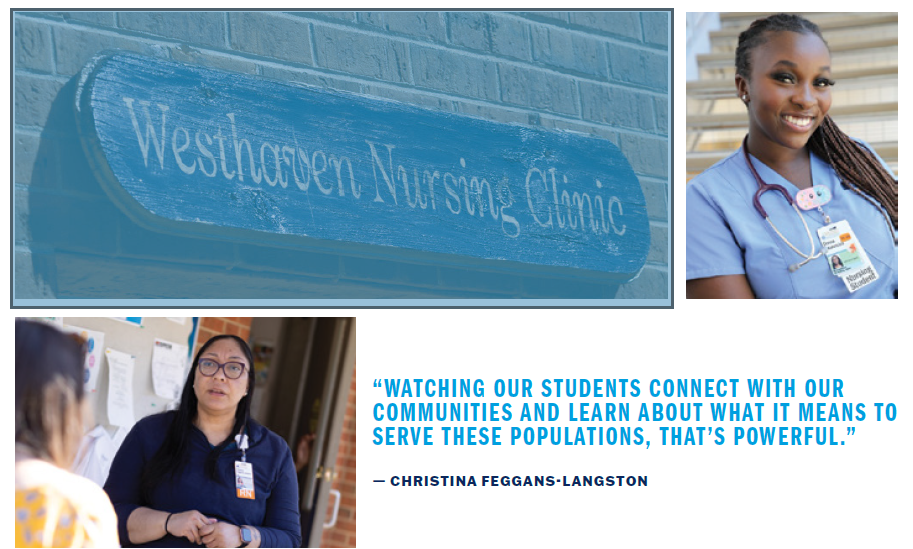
pixel 766 221
pixel 207 474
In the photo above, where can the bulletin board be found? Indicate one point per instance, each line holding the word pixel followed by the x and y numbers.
pixel 136 337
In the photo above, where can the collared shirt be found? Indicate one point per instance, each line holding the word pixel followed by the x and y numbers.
pixel 726 234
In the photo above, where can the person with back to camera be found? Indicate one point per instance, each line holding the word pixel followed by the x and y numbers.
pixel 54 507
pixel 752 218
pixel 207 474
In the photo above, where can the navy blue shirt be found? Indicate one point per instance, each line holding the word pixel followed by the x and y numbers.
pixel 274 511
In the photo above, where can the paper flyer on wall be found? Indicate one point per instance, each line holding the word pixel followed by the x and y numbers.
pixel 120 388
pixel 168 361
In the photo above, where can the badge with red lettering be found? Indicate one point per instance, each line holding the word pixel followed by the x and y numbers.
pixel 244 479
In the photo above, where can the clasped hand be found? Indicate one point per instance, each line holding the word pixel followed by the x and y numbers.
pixel 200 529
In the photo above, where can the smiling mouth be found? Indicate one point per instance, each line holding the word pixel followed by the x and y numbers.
pixel 800 122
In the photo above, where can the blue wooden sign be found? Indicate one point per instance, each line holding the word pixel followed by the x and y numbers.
pixel 192 150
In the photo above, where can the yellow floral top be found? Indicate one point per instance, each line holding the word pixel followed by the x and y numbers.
pixel 55 508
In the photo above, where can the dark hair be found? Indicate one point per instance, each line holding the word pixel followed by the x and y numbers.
pixel 50 369
pixel 172 455
pixel 857 167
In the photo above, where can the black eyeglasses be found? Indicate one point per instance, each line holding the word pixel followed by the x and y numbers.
pixel 233 370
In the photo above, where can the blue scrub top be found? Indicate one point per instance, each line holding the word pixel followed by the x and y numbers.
pixel 726 235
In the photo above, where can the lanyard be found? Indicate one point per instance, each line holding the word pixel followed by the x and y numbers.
pixel 241 440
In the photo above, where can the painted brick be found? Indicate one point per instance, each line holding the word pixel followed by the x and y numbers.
pixel 497 113
pixel 656 28
pixel 313 263
pixel 635 66
pixel 577 289
pixel 101 18
pixel 21 232
pixel 373 18
pixel 310 78
pixel 418 275
pixel 595 130
pixel 549 15
pixel 509 37
pixel 27 285
pixel 574 52
pixel 538 89
pixel 347 16
pixel 659 244
pixel 621 23
pixel 32 45
pixel 656 194
pixel 470 30
pixel 194 56
pixel 89 276
pixel 661 108
pixel 74 46
pixel 270 35
pixel 25 150
pixel 425 26
pixel 201 28
pixel 345 50
pixel 647 155
pixel 409 96
pixel 33 98
pixel 359 57
pixel 453 72
pixel 136 241
pixel 616 106
pixel 96 234
pixel 480 281
pixel 368 269
pixel 652 282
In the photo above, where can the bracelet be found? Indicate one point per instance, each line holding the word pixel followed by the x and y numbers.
pixel 166 523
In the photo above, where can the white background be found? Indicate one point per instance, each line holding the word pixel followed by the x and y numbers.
pixel 856 495
pixel 843 496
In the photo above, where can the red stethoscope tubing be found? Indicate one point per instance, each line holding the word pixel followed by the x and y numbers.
pixel 764 187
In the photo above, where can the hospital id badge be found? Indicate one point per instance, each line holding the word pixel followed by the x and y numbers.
pixel 845 255
pixel 244 479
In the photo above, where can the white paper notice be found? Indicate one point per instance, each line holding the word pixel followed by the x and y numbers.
pixel 120 388
pixel 168 361
pixel 95 342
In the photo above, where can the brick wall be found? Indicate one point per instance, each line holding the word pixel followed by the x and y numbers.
pixel 343 534
pixel 212 326
pixel 600 73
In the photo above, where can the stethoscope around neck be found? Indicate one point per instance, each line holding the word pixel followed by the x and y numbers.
pixel 764 187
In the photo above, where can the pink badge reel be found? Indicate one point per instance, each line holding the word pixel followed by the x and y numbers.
pixel 814 197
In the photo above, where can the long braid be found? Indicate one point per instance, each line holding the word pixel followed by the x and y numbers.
pixel 856 165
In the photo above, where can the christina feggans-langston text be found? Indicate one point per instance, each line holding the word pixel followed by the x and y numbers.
pixel 424 481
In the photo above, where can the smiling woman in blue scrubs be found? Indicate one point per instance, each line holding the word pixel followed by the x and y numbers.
pixel 769 220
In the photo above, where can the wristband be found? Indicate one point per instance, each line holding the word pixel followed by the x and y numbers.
pixel 166 523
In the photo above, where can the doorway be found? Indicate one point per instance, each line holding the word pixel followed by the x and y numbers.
pixel 305 367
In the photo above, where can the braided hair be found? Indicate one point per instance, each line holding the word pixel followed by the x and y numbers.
pixel 858 168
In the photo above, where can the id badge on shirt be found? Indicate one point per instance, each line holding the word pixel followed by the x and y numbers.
pixel 845 255
pixel 244 479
